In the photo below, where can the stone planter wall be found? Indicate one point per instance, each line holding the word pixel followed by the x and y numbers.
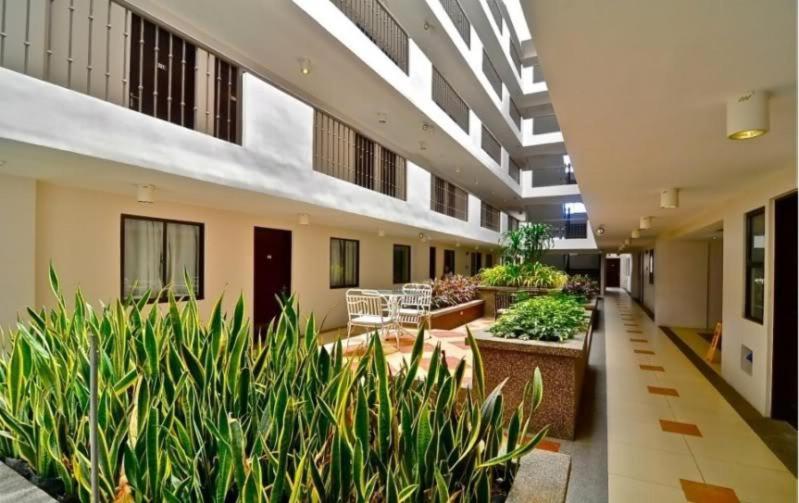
pixel 562 366
pixel 451 317
pixel 543 477
pixel 14 488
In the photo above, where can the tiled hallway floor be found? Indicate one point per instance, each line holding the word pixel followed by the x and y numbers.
pixel 671 435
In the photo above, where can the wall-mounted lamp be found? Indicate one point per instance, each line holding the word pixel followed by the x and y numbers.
pixel 144 194
pixel 747 115
pixel 381 233
pixel 670 198
pixel 304 219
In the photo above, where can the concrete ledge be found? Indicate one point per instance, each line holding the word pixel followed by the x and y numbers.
pixel 543 477
pixel 14 488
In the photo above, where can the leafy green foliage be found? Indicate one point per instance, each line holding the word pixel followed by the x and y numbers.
pixel 194 411
pixel 454 289
pixel 527 275
pixel 527 244
pixel 543 318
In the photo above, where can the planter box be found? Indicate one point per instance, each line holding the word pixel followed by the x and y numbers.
pixel 451 317
pixel 562 366
pixel 489 294
pixel 543 477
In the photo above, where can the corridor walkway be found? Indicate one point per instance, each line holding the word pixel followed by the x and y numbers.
pixel 671 435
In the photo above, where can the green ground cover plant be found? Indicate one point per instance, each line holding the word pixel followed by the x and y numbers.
pixel 526 275
pixel 542 318
pixel 193 410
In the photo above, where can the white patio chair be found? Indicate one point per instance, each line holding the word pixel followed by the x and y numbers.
pixel 417 299
pixel 368 309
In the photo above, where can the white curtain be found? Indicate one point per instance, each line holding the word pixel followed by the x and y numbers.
pixel 182 257
pixel 343 263
pixel 144 241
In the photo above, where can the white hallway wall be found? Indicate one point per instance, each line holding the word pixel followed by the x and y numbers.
pixel 79 230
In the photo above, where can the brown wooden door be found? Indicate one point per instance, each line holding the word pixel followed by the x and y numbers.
pixel 272 274
pixel 432 271
pixel 161 82
pixel 784 369
pixel 612 266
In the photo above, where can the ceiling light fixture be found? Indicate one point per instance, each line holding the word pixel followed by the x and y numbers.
pixel 144 194
pixel 382 117
pixel 381 233
pixel 645 223
pixel 670 198
pixel 635 234
pixel 627 242
pixel 600 230
pixel 305 66
pixel 426 126
pixel 305 219
pixel 422 145
pixel 747 115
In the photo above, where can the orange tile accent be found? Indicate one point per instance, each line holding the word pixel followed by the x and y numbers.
pixel 656 390
pixel 653 368
pixel 638 340
pixel 634 325
pixel 548 445
pixel 644 352
pixel 681 428
pixel 699 492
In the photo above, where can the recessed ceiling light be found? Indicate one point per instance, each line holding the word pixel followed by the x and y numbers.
pixel 382 117
pixel 645 223
pixel 305 66
pixel 600 230
pixel 635 234
pixel 422 145
pixel 747 116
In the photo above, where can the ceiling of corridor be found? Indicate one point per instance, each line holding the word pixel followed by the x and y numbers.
pixel 640 90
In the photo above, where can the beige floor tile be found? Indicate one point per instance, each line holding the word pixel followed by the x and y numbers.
pixel 651 465
pixel 627 490
pixel 726 446
pixel 750 483
pixel 644 434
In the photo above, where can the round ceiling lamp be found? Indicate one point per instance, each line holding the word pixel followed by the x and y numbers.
pixel 747 115
pixel 645 223
pixel 600 230
pixel 670 198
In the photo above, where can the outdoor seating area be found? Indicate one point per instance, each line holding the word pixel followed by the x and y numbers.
pixel 389 311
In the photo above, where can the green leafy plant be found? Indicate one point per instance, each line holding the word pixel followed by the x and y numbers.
pixel 527 244
pixel 454 289
pixel 194 411
pixel 543 318
pixel 527 275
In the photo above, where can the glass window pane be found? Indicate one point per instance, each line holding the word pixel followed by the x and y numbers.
pixel 756 293
pixel 183 257
pixel 343 263
pixel 141 257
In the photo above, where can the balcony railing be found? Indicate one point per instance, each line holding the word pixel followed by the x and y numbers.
pixel 496 13
pixel 377 23
pixel 489 217
pixel 491 146
pixel 344 153
pixel 459 19
pixel 565 228
pixel 492 75
pixel 449 199
pixel 514 170
pixel 515 115
pixel 449 101
pixel 545 124
pixel 557 175
pixel 105 50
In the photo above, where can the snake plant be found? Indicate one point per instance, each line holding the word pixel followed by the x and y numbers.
pixel 196 411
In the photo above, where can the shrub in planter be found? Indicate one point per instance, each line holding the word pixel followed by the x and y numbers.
pixel 452 290
pixel 527 275
pixel 582 287
pixel 543 318
pixel 193 411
